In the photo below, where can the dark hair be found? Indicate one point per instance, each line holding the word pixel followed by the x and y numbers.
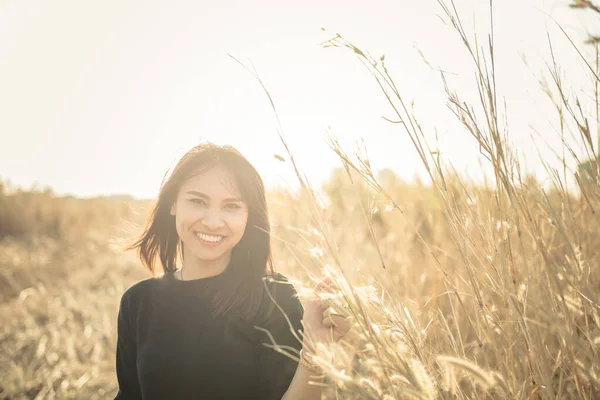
pixel 239 288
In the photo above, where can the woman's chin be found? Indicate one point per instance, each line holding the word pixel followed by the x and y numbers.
pixel 206 255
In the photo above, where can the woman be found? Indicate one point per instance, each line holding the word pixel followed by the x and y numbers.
pixel 212 328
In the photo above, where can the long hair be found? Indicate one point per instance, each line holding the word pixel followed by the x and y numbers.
pixel 239 288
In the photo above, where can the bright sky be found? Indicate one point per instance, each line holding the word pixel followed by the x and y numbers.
pixel 104 97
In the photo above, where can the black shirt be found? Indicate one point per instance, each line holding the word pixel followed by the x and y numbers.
pixel 170 347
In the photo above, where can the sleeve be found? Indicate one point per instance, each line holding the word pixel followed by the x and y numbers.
pixel 277 369
pixel 129 387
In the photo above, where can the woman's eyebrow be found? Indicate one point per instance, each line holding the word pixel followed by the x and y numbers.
pixel 200 194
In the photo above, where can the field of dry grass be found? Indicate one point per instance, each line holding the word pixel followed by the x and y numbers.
pixel 59 296
pixel 480 300
pixel 456 289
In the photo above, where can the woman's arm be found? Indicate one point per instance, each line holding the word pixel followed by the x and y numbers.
pixel 282 377
pixel 305 385
pixel 321 326
pixel 129 388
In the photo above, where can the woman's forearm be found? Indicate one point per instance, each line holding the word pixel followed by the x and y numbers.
pixel 305 385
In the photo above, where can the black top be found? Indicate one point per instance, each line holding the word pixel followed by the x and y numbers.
pixel 170 347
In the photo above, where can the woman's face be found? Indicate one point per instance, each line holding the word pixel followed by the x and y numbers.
pixel 210 215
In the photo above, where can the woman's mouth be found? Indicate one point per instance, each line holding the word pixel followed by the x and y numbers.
pixel 211 240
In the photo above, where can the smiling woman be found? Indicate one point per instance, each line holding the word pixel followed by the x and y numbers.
pixel 191 332
pixel 210 223
pixel 197 199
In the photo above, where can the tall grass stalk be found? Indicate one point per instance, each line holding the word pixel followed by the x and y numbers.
pixel 511 307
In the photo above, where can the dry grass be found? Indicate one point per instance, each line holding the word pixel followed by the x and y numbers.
pixel 474 292
pixel 457 290
pixel 59 302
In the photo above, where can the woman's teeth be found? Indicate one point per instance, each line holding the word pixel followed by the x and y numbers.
pixel 209 238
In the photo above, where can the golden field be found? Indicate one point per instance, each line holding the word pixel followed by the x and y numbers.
pixel 481 299
pixel 456 289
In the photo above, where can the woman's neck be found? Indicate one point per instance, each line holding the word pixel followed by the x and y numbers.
pixel 193 268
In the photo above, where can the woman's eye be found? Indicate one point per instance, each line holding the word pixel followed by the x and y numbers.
pixel 232 206
pixel 197 201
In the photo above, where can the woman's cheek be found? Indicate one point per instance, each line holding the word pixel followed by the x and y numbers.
pixel 193 214
pixel 239 221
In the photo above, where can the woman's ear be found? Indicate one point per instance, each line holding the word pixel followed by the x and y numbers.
pixel 172 212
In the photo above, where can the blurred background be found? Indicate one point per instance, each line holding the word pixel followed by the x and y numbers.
pixel 98 100
pixel 103 98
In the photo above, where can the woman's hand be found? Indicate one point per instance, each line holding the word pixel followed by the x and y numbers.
pixel 322 324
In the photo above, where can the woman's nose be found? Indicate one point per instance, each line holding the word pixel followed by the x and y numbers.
pixel 213 220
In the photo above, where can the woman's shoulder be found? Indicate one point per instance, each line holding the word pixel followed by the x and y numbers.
pixel 279 284
pixel 276 277
pixel 139 291
pixel 141 287
pixel 281 294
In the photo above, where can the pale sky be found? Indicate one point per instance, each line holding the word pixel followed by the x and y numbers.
pixel 103 97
